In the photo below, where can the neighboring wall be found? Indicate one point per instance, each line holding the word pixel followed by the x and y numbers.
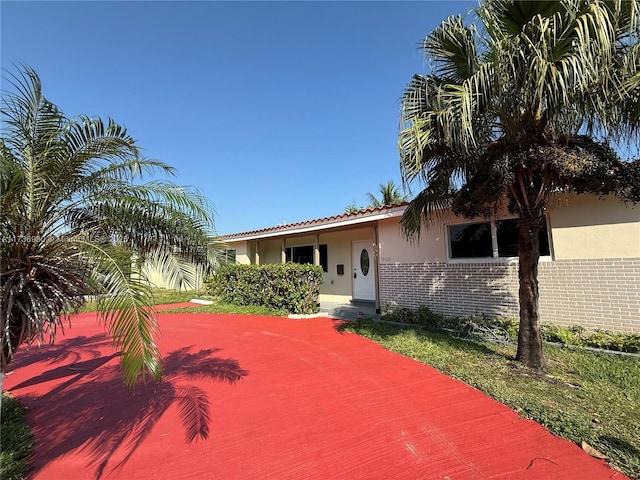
pixel 593 279
pixel 159 279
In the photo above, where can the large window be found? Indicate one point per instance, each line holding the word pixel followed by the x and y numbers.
pixel 304 254
pixel 495 239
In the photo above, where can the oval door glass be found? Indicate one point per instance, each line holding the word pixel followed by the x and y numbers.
pixel 364 261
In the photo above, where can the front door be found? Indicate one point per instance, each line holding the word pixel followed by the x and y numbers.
pixel 364 278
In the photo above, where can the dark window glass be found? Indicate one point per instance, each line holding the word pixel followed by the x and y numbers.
pixel 324 259
pixel 304 255
pixel 364 262
pixel 470 241
pixel 507 233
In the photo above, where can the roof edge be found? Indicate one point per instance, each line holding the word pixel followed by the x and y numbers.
pixel 346 219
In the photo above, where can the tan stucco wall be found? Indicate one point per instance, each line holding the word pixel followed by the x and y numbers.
pixel 270 251
pixel 394 248
pixel 242 252
pixel 583 227
pixel 587 227
pixel 339 253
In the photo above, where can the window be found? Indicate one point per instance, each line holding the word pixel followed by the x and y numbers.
pixel 228 256
pixel 471 240
pixel 304 254
pixel 495 239
pixel 507 236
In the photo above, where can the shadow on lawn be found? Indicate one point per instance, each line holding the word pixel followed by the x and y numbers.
pixel 101 415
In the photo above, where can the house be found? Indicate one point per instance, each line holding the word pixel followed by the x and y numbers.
pixel 589 271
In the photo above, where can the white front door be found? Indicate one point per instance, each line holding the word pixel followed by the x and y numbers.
pixel 364 278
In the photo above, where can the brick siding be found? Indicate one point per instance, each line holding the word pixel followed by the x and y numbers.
pixel 598 294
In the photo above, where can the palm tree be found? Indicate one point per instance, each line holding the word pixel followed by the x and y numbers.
pixel 526 105
pixel 73 201
pixel 352 208
pixel 390 194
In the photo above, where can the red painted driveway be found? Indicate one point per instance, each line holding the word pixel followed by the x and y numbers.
pixel 249 397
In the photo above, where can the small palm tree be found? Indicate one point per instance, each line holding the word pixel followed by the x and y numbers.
pixel 72 201
pixel 390 194
pixel 352 208
pixel 524 106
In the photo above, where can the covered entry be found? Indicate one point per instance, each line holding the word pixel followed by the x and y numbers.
pixel 364 278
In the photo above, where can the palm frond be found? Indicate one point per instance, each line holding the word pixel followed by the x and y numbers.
pixel 452 49
pixel 126 307
pixel 72 195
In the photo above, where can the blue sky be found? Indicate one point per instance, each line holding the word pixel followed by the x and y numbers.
pixel 276 111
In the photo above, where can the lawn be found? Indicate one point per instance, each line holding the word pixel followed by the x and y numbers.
pixel 15 439
pixel 582 396
pixel 160 297
pixel 164 297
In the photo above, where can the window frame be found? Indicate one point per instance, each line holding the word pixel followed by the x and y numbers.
pixel 495 258
pixel 324 255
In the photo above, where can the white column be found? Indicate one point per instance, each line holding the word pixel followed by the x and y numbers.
pixel 316 250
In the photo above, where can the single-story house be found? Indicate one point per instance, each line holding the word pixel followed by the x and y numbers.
pixel 589 271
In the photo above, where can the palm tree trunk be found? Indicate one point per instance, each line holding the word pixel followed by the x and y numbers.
pixel 1 395
pixel 529 336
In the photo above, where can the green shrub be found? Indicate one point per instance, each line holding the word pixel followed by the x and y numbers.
pixel 428 318
pixel 507 327
pixel 16 440
pixel 401 315
pixel 565 335
pixel 291 287
pixel 620 342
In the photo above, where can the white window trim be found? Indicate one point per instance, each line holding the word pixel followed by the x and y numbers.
pixel 494 243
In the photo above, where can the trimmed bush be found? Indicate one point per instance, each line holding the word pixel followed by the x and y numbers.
pixel 291 287
pixel 575 335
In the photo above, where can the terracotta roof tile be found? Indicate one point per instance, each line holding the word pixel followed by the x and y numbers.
pixel 363 213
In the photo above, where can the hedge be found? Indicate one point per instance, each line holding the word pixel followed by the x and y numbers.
pixel 291 287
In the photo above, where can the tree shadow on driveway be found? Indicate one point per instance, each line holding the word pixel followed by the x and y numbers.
pixel 92 410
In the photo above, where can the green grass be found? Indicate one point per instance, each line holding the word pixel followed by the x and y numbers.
pixel 218 307
pixel 164 296
pixel 161 297
pixel 16 441
pixel 582 396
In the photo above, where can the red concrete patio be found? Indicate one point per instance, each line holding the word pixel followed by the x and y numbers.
pixel 248 397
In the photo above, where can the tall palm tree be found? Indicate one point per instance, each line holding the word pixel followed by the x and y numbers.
pixel 390 194
pixel 522 106
pixel 72 200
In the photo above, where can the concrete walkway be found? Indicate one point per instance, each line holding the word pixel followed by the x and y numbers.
pixel 247 397
pixel 348 311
